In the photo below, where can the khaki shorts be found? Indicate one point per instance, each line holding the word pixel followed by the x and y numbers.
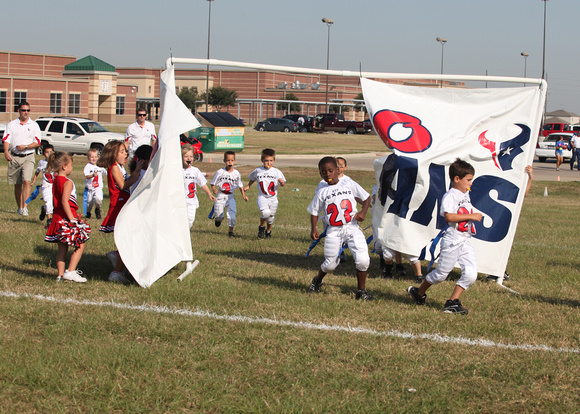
pixel 20 169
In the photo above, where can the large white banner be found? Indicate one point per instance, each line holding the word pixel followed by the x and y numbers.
pixel 152 231
pixel 495 130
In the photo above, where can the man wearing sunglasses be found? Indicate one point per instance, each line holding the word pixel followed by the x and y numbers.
pixel 21 138
pixel 140 132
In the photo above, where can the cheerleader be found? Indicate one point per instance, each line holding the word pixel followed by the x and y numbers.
pixel 64 226
pixel 114 158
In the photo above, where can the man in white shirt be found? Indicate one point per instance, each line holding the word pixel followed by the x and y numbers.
pixel 140 132
pixel 575 151
pixel 21 138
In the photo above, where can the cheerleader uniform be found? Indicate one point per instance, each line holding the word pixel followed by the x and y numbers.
pixel 118 198
pixel 58 213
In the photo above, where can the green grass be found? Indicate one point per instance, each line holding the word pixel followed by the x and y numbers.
pixel 58 357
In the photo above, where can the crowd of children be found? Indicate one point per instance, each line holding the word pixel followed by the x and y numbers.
pixel 336 202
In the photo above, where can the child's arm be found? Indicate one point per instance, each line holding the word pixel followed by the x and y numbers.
pixel 66 192
pixel 214 189
pixel 246 188
pixel 206 190
pixel 120 180
pixel 458 218
pixel 530 172
pixel 313 230
pixel 244 196
pixel 36 173
pixel 360 216
pixel 281 182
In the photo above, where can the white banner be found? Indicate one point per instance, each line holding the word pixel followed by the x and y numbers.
pixel 495 130
pixel 152 231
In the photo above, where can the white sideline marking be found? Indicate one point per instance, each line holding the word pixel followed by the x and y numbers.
pixel 306 325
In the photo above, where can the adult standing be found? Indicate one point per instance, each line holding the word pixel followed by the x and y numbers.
pixel 140 132
pixel 21 137
pixel 575 151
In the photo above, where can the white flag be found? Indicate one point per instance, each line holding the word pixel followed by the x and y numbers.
pixel 495 130
pixel 152 231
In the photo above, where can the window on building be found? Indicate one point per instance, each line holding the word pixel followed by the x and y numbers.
pixel 18 97
pixel 56 103
pixel 2 101
pixel 74 103
pixel 120 105
pixel 149 88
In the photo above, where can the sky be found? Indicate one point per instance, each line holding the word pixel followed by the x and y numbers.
pixel 377 35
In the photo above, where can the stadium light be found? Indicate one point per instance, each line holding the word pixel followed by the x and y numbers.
pixel 328 23
pixel 207 70
pixel 525 55
pixel 442 41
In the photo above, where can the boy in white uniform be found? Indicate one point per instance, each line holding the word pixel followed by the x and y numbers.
pixel 269 179
pixel 455 245
pixel 192 176
pixel 223 184
pixel 338 201
pixel 93 194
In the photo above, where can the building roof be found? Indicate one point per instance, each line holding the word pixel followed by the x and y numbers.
pixel 90 63
pixel 561 112
pixel 221 119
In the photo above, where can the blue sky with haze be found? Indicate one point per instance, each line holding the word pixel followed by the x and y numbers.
pixel 381 35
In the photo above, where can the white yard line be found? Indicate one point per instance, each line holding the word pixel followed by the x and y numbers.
pixel 302 325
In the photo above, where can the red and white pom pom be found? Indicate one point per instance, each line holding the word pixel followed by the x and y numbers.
pixel 73 233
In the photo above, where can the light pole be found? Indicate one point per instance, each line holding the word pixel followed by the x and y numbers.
pixel 207 70
pixel 544 44
pixel 442 41
pixel 525 55
pixel 328 22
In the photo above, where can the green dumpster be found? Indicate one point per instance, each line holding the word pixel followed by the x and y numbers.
pixel 220 139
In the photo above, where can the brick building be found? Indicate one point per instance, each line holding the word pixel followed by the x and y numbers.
pixel 59 85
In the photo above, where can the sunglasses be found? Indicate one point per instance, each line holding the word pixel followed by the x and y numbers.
pixel 24 110
pixel 141 114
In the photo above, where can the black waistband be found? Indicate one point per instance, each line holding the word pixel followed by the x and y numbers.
pixel 22 155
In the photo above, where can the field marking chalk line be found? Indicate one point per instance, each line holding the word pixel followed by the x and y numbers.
pixel 304 325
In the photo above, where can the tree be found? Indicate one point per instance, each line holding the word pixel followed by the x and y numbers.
pixel 359 108
pixel 220 97
pixel 283 106
pixel 189 97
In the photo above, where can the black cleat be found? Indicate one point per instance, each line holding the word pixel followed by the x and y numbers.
pixel 218 223
pixel 268 234
pixel 261 232
pixel 414 292
pixel 231 234
pixel 401 270
pixel 315 285
pixel 454 306
pixel 364 295
pixel 88 215
pixel 387 271
pixel 98 213
pixel 42 213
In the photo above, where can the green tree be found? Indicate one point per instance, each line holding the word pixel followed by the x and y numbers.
pixel 283 106
pixel 359 108
pixel 189 97
pixel 220 97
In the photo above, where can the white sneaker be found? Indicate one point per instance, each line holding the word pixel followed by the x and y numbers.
pixel 118 277
pixel 25 211
pixel 113 256
pixel 20 212
pixel 74 276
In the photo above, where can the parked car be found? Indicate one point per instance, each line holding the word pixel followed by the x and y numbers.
pixel 547 148
pixel 277 124
pixel 336 123
pixel 553 127
pixel 2 129
pixel 307 127
pixel 74 135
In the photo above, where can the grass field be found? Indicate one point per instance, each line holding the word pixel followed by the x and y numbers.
pixel 242 335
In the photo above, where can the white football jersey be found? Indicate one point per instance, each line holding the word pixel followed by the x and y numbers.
pixel 267 180
pixel 337 202
pixel 192 176
pixel 227 182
